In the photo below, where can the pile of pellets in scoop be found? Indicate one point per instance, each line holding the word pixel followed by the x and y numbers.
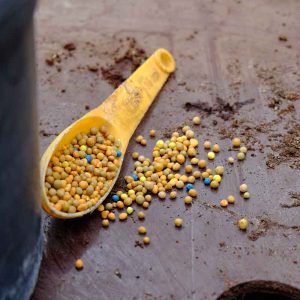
pixel 83 171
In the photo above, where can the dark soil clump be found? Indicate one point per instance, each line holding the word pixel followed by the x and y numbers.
pixel 124 63
pixel 221 108
pixel 286 150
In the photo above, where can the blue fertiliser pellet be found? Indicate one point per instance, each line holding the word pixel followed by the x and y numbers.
pixel 207 181
pixel 89 158
pixel 189 186
pixel 119 153
pixel 115 198
pixel 135 177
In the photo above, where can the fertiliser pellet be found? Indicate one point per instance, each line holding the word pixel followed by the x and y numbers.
pixel 197 120
pixel 79 264
pixel 231 199
pixel 236 142
pixel 178 222
pixel 243 224
pixel 146 240
pixel 243 188
pixel 142 230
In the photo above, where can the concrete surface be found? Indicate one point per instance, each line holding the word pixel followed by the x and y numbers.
pixel 224 49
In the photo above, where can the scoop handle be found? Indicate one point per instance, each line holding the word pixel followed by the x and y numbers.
pixel 128 104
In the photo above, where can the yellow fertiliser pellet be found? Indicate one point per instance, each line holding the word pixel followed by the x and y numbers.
pixel 178 222
pixel 79 264
pixel 243 188
pixel 180 159
pixel 160 144
pixel 243 149
pixel 188 200
pixel 152 133
pixel 236 142
pixel 135 155
pixel 231 199
pixel 219 170
pixel 105 223
pixel 194 143
pixel 192 152
pixel 188 168
pixel 141 215
pixel 194 161
pixel 120 204
pixel 243 224
pixel 216 148
pixel 204 174
pixel 214 184
pixel 217 178
pixel 111 216
pixel 197 174
pixel 193 193
pixel 207 145
pixel 129 210
pixel 209 171
pixel 230 160
pixel 202 163
pixel 146 205
pixel 104 214
pixel 127 201
pixel 139 138
pixel 173 195
pixel 224 203
pixel 197 120
pixel 180 184
pixel 101 207
pixel 211 155
pixel 123 216
pixel 146 240
pixel 246 195
pixel 191 179
pixel 143 142
pixel 142 230
pixel 241 156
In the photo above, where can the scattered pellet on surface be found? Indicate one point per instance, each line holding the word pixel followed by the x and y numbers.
pixel 243 149
pixel 246 195
pixel 152 133
pixel 216 148
pixel 129 210
pixel 236 142
pixel 230 160
pixel 224 203
pixel 207 145
pixel 146 240
pixel 231 199
pixel 197 120
pixel 178 222
pixel 241 156
pixel 243 224
pixel 79 264
pixel 243 188
pixel 188 200
pixel 211 155
pixel 142 230
pixel 105 223
pixel 141 215
pixel 123 216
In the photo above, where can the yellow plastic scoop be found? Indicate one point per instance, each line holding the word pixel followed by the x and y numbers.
pixel 121 113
